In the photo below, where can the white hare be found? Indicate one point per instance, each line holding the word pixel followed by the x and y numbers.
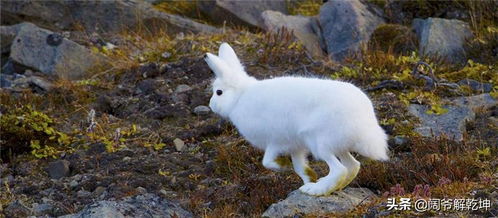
pixel 296 116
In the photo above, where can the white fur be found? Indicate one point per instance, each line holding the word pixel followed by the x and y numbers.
pixel 297 116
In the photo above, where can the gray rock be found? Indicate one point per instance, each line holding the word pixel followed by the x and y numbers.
pixel 241 12
pixel 298 203
pixel 58 169
pixel 346 26
pixel 17 209
pixel 202 110
pixel 182 88
pixel 103 16
pixel 98 191
pixel 35 81
pixel 476 85
pixel 42 209
pixel 400 140
pixel 4 82
pixel 305 29
pixel 450 124
pixel 442 37
pixel 147 205
pixel 73 183
pixel 83 194
pixel 476 102
pixel 48 53
pixel 179 144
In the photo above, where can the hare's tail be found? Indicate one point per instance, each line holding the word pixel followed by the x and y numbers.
pixel 373 144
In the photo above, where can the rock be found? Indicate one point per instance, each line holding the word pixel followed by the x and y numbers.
pixel 58 169
pixel 442 38
pixel 298 203
pixel 35 81
pixel 476 86
pixel 42 209
pixel 202 110
pixel 73 183
pixel 147 205
pixel 17 209
pixel 98 191
pixel 83 194
pixel 346 25
pixel 241 12
pixel 305 29
pixel 182 88
pixel 4 82
pixel 450 124
pixel 43 51
pixel 476 102
pixel 102 16
pixel 179 144
pixel 141 190
pixel 400 140
pixel 166 55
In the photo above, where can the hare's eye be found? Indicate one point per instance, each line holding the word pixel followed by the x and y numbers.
pixel 219 92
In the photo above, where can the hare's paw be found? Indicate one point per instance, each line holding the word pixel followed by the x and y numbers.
pixel 316 189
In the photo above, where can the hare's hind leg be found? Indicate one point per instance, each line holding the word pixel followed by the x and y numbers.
pixel 352 165
pixel 329 183
pixel 301 166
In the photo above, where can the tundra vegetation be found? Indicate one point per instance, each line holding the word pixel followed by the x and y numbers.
pixel 130 125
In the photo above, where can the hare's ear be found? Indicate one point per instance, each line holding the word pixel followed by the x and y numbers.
pixel 227 54
pixel 217 65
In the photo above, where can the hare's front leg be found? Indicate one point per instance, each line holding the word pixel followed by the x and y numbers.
pixel 301 166
pixel 270 157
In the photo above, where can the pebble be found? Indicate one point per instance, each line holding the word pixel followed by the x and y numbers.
pixel 179 144
pixel 182 88
pixel 202 110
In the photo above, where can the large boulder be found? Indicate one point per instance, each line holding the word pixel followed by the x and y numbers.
pixel 147 205
pixel 452 123
pixel 246 13
pixel 442 38
pixel 305 29
pixel 298 203
pixel 49 52
pixel 101 16
pixel 346 25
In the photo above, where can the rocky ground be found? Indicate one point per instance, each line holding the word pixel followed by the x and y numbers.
pixel 106 119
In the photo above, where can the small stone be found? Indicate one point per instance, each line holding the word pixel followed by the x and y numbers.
pixel 166 55
pixel 182 88
pixel 141 190
pixel 179 144
pixel 202 110
pixel 58 169
pixel 400 140
pixel 83 194
pixel 73 183
pixel 126 158
pixel 98 191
